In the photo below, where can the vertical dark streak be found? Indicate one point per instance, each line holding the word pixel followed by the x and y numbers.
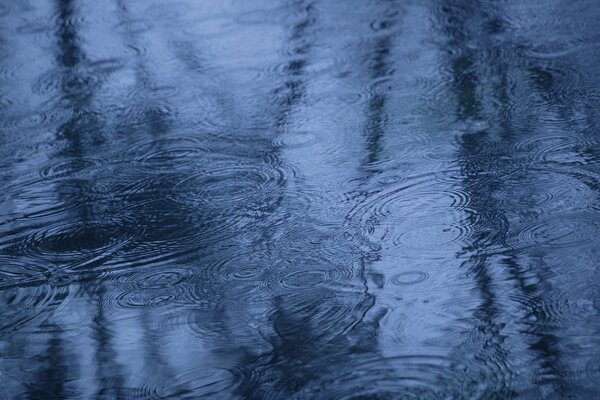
pixel 482 177
pixel 285 368
pixel 108 370
pixel 78 91
pixel 51 380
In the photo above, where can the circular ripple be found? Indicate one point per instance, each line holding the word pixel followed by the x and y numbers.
pixel 133 26
pixel 383 211
pixel 321 244
pixel 544 191
pixel 29 305
pixel 68 83
pixel 247 272
pixel 296 140
pixel 204 382
pixel 568 231
pixel 79 242
pixel 559 306
pixel 140 114
pixel 578 306
pixel 236 268
pixel 42 203
pixel 317 315
pixel 514 196
pixel 248 187
pixel 424 237
pixel 36 119
pixel 305 279
pixel 572 153
pixel 312 273
pixel 409 278
pixel 170 154
pixel 561 150
pixel 239 278
pixel 75 168
pixel 145 298
pixel 409 196
pixel 155 278
pixel 151 287
pixel 153 94
pixel 420 377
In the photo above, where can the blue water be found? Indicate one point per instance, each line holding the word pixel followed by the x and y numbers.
pixel 321 199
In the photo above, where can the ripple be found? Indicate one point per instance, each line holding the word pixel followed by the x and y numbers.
pixel 433 89
pixel 409 278
pixel 164 241
pixel 571 153
pixel 36 119
pixel 248 187
pixel 557 81
pixel 383 24
pixel 158 278
pixel 217 220
pixel 561 150
pixel 78 243
pixel 70 21
pixel 141 113
pixel 69 195
pixel 68 83
pixel 153 286
pixel 311 273
pixel 232 183
pixel 240 267
pixel 515 197
pixel 106 65
pixel 577 304
pixel 384 192
pixel 407 377
pixel 145 298
pixel 546 191
pixel 74 168
pixel 216 26
pixel 318 315
pixel 148 93
pixel 344 98
pixel 169 154
pixel 567 231
pixel 34 27
pixel 383 215
pixel 296 140
pixel 133 26
pixel 241 278
pixel 173 11
pixel 424 237
pixel 29 305
pixel 592 371
pixel 13 273
pixel 203 382
pixel 305 279
pixel 322 244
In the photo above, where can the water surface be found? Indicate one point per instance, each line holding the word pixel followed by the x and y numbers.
pixel 299 199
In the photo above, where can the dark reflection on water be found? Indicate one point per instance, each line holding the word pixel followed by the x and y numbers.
pixel 299 199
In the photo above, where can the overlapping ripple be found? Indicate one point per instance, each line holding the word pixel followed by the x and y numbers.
pixel 336 200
